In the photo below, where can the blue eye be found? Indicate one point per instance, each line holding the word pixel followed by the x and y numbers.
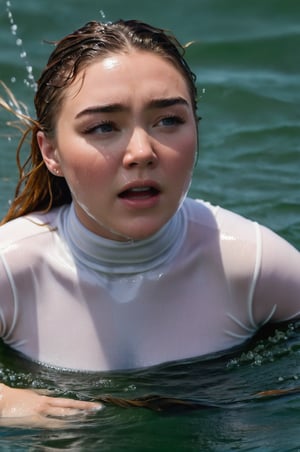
pixel 101 128
pixel 171 121
pixel 105 127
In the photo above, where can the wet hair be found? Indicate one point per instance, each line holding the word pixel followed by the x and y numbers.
pixel 38 188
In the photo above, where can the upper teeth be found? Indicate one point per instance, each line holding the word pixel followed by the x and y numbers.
pixel 140 188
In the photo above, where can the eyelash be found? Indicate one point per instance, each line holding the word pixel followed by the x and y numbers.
pixel 92 129
pixel 176 120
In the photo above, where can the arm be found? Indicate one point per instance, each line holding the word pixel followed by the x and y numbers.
pixel 278 284
pixel 27 407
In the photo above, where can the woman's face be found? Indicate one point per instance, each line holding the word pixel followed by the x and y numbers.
pixel 125 142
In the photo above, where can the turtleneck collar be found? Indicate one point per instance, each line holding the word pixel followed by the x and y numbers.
pixel 113 257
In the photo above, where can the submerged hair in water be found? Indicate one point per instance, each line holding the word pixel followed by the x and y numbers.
pixel 37 188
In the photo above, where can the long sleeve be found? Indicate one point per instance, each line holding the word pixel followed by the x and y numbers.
pixel 7 301
pixel 278 282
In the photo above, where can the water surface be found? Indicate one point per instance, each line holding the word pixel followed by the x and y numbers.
pixel 246 57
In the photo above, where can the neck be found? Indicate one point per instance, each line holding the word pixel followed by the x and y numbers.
pixel 121 258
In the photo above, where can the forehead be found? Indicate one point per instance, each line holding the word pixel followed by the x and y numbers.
pixel 131 72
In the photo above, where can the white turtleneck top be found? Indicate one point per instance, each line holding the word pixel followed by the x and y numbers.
pixel 205 282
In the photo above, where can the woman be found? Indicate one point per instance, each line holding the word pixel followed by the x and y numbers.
pixel 122 270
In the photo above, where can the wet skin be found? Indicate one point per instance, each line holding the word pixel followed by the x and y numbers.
pixel 125 141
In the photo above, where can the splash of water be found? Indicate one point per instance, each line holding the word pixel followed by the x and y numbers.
pixel 103 17
pixel 271 348
pixel 29 80
pixel 102 14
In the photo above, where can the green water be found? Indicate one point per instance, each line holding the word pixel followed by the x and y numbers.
pixel 246 57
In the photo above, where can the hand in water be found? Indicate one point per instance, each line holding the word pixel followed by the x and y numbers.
pixel 20 407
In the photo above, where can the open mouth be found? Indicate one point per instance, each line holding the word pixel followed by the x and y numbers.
pixel 139 193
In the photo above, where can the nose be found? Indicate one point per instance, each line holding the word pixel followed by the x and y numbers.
pixel 139 151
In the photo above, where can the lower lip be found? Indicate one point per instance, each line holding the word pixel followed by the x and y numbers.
pixel 140 202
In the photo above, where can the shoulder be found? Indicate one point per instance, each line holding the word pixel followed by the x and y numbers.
pixel 238 236
pixel 224 222
pixel 27 229
pixel 224 238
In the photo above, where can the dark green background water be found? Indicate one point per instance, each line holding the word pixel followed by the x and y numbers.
pixel 246 57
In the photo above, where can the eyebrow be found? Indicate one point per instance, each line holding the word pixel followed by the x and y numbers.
pixel 117 107
pixel 167 102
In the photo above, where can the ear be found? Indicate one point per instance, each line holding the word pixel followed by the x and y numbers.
pixel 49 153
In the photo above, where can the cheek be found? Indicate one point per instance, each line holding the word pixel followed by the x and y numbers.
pixel 83 167
pixel 187 150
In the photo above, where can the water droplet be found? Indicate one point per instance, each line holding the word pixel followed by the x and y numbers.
pixel 102 14
pixel 130 388
pixel 14 28
pixel 23 54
